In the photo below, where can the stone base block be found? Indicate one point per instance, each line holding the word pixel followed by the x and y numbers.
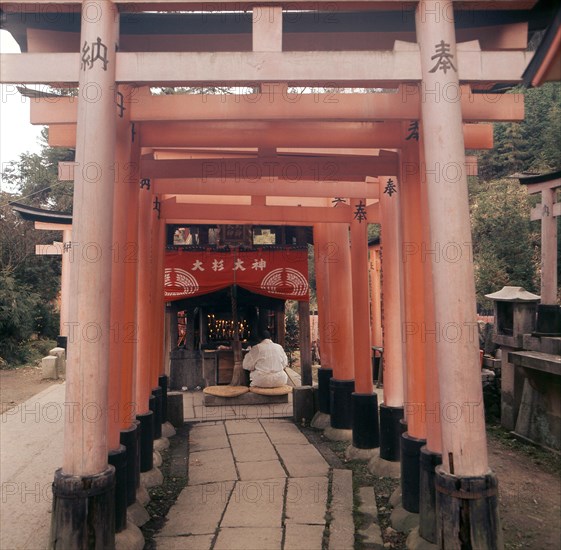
pixel 402 520
pixel 48 366
pixel 249 398
pixel 416 542
pixel 384 468
pixel 60 354
pixel 151 478
pixel 137 515
pixel 352 453
pixel 395 498
pixel 175 408
pixel 320 421
pixel 335 434
pixel 168 430
pixel 130 538
pixel 161 444
pixel 142 495
pixel 157 459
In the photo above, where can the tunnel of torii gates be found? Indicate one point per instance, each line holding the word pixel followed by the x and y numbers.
pixel 269 156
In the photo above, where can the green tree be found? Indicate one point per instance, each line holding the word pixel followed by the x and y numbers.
pixel 505 241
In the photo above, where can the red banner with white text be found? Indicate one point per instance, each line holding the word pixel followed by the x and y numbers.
pixel 278 273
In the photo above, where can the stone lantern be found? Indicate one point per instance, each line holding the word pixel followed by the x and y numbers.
pixel 515 315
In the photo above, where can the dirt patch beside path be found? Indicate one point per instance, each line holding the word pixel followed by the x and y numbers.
pixel 529 492
pixel 19 384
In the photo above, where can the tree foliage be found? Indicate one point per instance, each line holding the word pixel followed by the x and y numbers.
pixel 29 284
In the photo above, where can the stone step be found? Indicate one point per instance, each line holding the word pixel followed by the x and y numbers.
pixel 249 398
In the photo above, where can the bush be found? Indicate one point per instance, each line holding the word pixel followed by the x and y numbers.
pixel 18 316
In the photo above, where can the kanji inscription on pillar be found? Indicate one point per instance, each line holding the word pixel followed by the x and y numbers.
pixel 390 188
pixel 337 200
pixel 96 51
pixel 360 212
pixel 413 131
pixel 443 58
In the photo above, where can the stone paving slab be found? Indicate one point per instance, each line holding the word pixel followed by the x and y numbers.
pixel 306 500
pixel 198 510
pixel 302 460
pixel 303 537
pixel 341 528
pixel 266 469
pixel 211 466
pixel 249 538
pixel 31 437
pixel 284 433
pixel 252 447
pixel 243 426
pixel 205 437
pixel 193 542
pixel 255 503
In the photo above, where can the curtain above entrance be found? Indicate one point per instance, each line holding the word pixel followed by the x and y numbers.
pixel 280 272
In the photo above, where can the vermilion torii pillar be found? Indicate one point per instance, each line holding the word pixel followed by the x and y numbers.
pixel 340 328
pixel 321 258
pixel 431 453
pixel 83 506
pixel 364 400
pixel 143 382
pixel 467 500
pixel 414 310
pixel 391 410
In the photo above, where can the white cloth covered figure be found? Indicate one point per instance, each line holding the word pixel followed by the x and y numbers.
pixel 266 362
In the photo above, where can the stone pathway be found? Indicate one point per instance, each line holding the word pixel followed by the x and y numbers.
pixel 258 484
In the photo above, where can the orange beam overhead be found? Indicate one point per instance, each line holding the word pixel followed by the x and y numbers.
pixel 274 134
pixel 267 188
pixel 176 212
pixel 403 105
pixel 291 168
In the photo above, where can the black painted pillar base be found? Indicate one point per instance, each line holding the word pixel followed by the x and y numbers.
pixel 83 516
pixel 410 468
pixel 146 441
pixel 129 438
pixel 163 383
pixel 324 400
pixel 390 432
pixel 366 432
pixel 118 459
pixel 340 403
pixel 427 496
pixel 156 408
pixel 467 511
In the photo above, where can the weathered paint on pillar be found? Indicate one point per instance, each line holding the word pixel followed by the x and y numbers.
pixel 340 302
pixel 392 292
pixel 413 285
pixel 143 386
pixel 128 370
pixel 432 397
pixel 157 286
pixel 117 409
pixel 549 287
pixel 321 249
pixel 87 375
pixel 304 340
pixel 65 281
pixel 375 296
pixel 457 354
pixel 361 306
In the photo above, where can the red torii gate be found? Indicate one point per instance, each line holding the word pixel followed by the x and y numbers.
pixel 430 178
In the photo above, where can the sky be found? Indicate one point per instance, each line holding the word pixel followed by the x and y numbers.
pixel 17 135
